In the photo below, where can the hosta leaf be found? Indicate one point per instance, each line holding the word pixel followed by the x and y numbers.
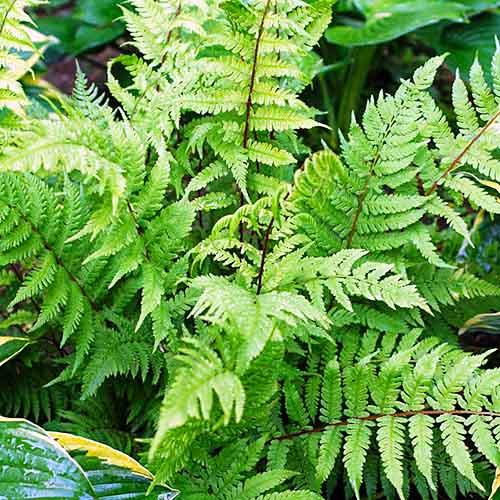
pixel 495 485
pixel 99 13
pixel 32 465
pixel 465 41
pixel 390 19
pixel 37 464
pixel 76 36
pixel 113 474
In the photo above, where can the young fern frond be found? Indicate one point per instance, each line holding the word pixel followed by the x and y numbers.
pixel 191 397
pixel 236 76
pixel 269 338
pixel 391 166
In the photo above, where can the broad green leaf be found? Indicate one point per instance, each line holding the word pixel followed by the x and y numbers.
pixel 390 19
pixel 77 36
pixel 106 453
pixel 98 12
pixel 57 466
pixel 33 465
pixel 465 41
pixel 89 24
pixel 11 346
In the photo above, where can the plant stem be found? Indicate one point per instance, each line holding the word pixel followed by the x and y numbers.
pixel 359 209
pixel 329 107
pixel 58 259
pixel 354 84
pixel 249 103
pixel 263 255
pixel 253 75
pixel 7 12
pixel 456 162
pixel 402 414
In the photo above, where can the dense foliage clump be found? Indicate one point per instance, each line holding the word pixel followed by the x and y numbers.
pixel 189 283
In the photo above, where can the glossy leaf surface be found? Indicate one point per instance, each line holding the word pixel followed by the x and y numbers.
pixel 465 41
pixel 113 474
pixel 386 20
pixel 32 465
pixel 389 19
pixel 37 464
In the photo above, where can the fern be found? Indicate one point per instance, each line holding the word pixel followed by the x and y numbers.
pixel 233 77
pixel 190 397
pixel 20 49
pixel 409 393
pixel 395 169
pixel 388 392
pixel 254 330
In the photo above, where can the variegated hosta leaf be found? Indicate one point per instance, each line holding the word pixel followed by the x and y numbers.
pixel 32 465
pixel 37 464
pixel 113 474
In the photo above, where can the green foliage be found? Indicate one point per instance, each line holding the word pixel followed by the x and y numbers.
pixel 374 44
pixel 241 78
pixel 252 329
pixel 96 471
pixel 466 41
pixel 11 346
pixel 386 20
pixel 402 163
pixel 18 52
pixel 85 25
